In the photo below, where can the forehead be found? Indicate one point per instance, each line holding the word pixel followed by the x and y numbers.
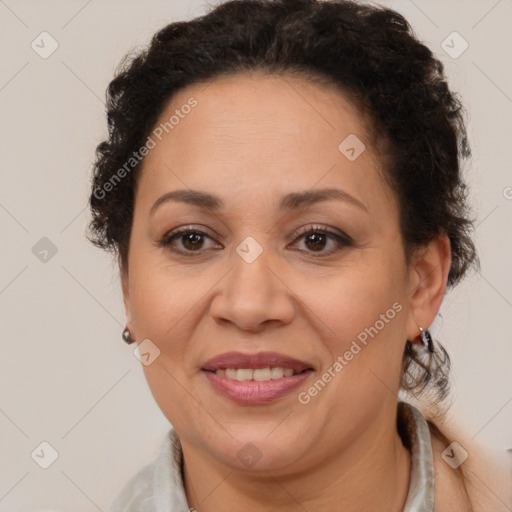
pixel 252 109
pixel 255 132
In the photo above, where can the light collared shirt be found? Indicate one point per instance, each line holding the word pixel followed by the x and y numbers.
pixel 158 486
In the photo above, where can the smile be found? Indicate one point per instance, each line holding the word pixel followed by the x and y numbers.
pixel 260 374
pixel 255 379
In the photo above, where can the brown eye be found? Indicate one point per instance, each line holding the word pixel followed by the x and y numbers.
pixel 185 241
pixel 188 241
pixel 316 238
pixel 316 241
pixel 192 241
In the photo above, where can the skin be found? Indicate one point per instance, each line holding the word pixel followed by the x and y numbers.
pixel 251 139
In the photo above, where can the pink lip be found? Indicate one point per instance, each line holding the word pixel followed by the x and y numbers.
pixel 255 392
pixel 251 392
pixel 253 361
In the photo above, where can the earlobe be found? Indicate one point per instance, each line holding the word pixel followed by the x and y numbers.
pixel 430 269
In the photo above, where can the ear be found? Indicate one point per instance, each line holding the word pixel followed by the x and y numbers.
pixel 428 281
pixel 126 293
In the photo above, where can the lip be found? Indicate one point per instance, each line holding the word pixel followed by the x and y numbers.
pixel 254 361
pixel 251 392
pixel 255 392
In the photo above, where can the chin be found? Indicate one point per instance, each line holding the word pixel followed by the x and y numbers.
pixel 254 451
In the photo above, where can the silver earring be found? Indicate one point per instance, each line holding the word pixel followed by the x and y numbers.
pixel 427 339
pixel 127 336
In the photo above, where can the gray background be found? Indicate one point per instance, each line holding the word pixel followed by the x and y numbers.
pixel 67 378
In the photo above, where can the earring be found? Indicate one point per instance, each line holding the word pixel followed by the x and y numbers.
pixel 427 339
pixel 127 336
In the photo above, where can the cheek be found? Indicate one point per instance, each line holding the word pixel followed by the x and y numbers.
pixel 345 303
pixel 365 311
pixel 164 311
pixel 354 302
pixel 161 301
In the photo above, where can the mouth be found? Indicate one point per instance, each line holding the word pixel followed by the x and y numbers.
pixel 255 379
pixel 259 374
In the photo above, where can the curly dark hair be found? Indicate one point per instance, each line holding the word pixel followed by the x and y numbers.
pixel 368 52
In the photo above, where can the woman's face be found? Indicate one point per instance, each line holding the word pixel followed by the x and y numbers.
pixel 268 149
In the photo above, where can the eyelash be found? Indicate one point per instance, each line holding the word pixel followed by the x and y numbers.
pixel 342 240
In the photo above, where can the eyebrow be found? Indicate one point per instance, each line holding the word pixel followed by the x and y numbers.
pixel 292 201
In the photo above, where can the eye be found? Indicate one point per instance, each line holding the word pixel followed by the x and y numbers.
pixel 191 240
pixel 317 237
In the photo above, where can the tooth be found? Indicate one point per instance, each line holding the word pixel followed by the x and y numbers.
pixel 244 374
pixel 259 374
pixel 276 373
pixel 231 373
pixel 262 374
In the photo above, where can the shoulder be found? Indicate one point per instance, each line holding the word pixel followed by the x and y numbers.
pixel 450 490
pixel 139 493
pixel 136 495
pixel 158 485
pixel 468 477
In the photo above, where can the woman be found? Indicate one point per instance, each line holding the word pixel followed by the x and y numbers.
pixel 282 185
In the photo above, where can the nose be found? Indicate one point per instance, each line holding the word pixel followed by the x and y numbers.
pixel 253 295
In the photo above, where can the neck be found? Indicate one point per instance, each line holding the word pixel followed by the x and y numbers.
pixel 371 474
